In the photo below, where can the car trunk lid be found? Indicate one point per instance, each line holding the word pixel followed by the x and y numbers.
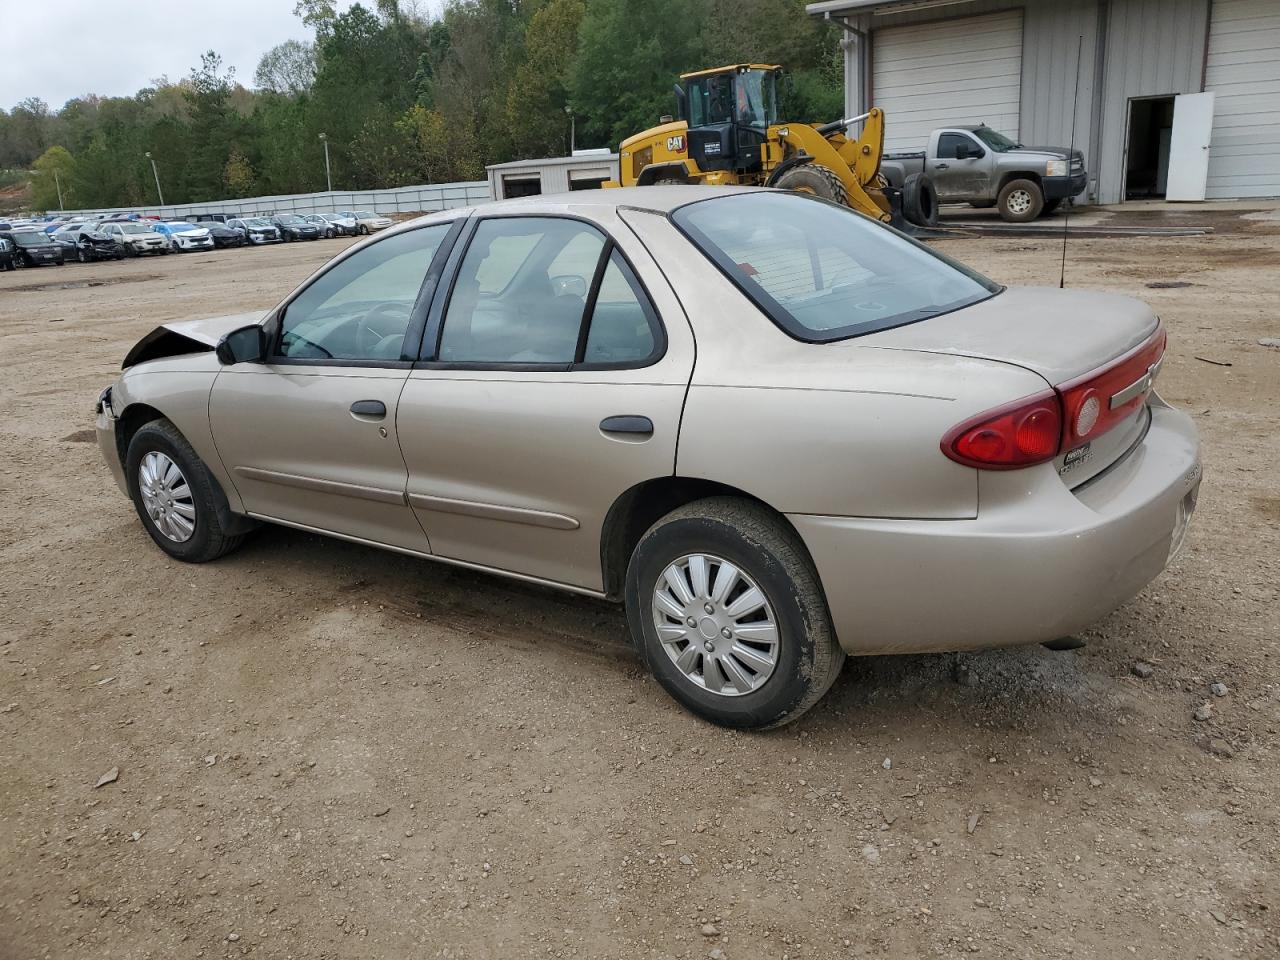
pixel 1099 352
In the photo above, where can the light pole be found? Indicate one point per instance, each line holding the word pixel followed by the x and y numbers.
pixel 327 178
pixel 58 183
pixel 156 174
pixel 568 108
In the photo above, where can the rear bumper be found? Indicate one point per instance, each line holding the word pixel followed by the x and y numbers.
pixel 1060 188
pixel 1039 561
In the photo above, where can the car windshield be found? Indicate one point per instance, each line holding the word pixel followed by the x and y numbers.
pixel 183 226
pixel 995 140
pixel 31 238
pixel 365 214
pixel 134 228
pixel 821 271
pixel 257 222
pixel 289 218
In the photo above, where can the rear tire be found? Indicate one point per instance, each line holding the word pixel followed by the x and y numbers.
pixel 776 680
pixel 197 493
pixel 1020 201
pixel 814 179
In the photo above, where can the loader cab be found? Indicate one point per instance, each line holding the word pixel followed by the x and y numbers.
pixel 729 111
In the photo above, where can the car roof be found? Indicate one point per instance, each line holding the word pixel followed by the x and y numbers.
pixel 655 199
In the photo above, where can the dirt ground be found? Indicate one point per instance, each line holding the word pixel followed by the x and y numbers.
pixel 326 751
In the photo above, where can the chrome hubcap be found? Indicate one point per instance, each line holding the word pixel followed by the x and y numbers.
pixel 1020 201
pixel 716 625
pixel 166 497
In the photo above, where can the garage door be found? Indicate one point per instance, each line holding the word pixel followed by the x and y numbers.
pixel 936 74
pixel 1243 71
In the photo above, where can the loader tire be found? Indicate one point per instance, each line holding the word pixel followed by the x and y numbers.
pixel 814 179
pixel 920 201
pixel 670 180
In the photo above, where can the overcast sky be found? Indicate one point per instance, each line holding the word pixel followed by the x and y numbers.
pixel 65 48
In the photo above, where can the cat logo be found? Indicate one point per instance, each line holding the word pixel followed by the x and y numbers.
pixel 676 144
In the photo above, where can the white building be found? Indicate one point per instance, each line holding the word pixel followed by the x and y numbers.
pixel 1013 65
pixel 585 170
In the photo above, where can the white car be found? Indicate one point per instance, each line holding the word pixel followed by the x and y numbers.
pixel 136 237
pixel 367 221
pixel 186 236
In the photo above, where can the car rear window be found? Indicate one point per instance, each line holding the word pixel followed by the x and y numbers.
pixel 823 272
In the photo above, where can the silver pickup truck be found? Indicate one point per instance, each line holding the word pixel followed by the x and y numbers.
pixel 984 168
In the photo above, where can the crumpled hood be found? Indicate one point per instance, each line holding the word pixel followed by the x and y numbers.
pixel 187 336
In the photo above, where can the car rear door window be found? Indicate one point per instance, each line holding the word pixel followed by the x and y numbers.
pixel 546 291
pixel 361 308
pixel 511 301
pixel 622 322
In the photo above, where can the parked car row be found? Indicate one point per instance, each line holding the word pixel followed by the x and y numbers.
pixel 30 243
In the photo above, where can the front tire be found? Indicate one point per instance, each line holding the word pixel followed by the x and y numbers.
pixel 175 495
pixel 727 610
pixel 814 179
pixel 1020 201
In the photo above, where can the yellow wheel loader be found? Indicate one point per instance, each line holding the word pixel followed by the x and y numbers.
pixel 728 133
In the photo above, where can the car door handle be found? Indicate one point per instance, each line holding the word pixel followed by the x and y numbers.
pixel 634 425
pixel 369 409
pixel 940 166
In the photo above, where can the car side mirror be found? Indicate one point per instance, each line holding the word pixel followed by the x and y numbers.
pixel 962 151
pixel 246 345
pixel 569 286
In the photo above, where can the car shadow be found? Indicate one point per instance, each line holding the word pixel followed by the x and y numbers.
pixel 1014 687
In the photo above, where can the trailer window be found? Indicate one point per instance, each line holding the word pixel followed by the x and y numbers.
pixel 821 271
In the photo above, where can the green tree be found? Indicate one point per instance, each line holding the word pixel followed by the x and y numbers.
pixel 238 175
pixel 537 118
pixel 629 56
pixel 288 68
pixel 52 172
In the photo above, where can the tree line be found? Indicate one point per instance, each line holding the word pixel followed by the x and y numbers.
pixel 402 97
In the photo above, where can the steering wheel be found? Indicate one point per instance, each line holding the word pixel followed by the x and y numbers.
pixel 371 329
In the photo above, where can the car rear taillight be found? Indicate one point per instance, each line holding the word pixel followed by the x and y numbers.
pixel 1036 429
pixel 1099 400
pixel 1019 434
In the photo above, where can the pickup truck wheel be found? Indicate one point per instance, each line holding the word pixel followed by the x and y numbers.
pixel 727 610
pixel 815 179
pixel 1020 201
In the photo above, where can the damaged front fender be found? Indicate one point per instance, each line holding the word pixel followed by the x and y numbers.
pixel 188 336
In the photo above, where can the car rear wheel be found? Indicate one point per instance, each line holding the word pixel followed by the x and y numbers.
pixel 1020 201
pixel 175 496
pixel 728 612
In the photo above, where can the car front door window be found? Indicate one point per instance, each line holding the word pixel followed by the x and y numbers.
pixel 361 308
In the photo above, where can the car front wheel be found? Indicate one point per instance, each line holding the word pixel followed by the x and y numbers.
pixel 728 612
pixel 175 496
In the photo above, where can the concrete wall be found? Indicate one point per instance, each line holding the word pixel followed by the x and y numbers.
pixel 420 199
